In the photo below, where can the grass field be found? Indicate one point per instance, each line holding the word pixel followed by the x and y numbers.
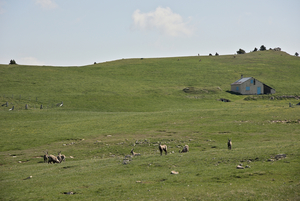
pixel 110 108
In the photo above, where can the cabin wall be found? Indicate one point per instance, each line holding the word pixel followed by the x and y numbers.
pixel 249 87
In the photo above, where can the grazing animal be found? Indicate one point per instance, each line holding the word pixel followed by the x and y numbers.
pixel 53 159
pixel 185 149
pixel 229 144
pixel 61 157
pixel 45 157
pixel 163 148
pixel 134 154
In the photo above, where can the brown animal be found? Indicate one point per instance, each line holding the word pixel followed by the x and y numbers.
pixel 185 149
pixel 61 157
pixel 53 159
pixel 163 148
pixel 134 154
pixel 229 144
pixel 45 157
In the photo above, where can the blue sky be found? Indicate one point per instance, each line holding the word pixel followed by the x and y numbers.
pixel 81 32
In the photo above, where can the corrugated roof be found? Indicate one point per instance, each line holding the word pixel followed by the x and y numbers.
pixel 240 81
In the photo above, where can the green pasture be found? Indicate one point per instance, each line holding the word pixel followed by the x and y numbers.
pixel 110 108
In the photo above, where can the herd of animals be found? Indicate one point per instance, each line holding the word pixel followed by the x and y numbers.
pixel 54 159
pixel 162 148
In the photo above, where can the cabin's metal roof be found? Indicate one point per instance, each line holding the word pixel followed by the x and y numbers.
pixel 240 81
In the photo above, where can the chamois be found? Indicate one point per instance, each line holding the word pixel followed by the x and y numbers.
pixel 163 148
pixel 52 159
pixel 45 157
pixel 229 144
pixel 134 154
pixel 185 149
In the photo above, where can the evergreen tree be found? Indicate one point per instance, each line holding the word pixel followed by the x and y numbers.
pixel 262 48
pixel 255 49
pixel 296 54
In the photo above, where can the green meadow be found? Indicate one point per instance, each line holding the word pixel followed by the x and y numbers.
pixel 110 108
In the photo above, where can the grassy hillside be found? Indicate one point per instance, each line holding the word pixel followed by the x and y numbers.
pixel 110 108
pixel 128 85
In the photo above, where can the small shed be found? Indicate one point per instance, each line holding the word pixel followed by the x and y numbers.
pixel 251 86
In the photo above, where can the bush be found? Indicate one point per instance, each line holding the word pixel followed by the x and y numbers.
pixel 296 54
pixel 12 62
pixel 241 51
pixel 255 49
pixel 262 48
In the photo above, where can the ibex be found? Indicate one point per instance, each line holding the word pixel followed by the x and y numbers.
pixel 185 149
pixel 45 157
pixel 52 159
pixel 61 157
pixel 163 148
pixel 134 154
pixel 229 144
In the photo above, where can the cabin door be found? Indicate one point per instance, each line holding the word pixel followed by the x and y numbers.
pixel 258 90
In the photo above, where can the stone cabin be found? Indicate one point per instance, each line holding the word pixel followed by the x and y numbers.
pixel 251 86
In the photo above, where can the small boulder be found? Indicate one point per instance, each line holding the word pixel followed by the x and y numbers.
pixel 28 177
pixel 69 193
pixel 239 167
pixel 125 161
pixel 280 156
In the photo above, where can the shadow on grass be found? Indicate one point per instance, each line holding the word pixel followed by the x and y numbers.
pixel 233 93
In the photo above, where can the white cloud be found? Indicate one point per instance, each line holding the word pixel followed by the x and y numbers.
pixel 162 19
pixel 47 4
